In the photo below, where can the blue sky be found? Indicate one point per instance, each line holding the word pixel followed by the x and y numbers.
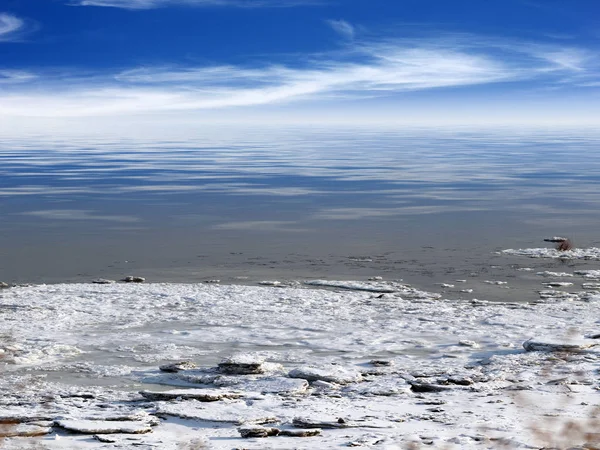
pixel 338 61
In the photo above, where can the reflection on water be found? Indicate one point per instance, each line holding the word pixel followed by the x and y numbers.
pixel 287 201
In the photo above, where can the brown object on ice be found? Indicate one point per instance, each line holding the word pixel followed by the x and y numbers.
pixel 565 245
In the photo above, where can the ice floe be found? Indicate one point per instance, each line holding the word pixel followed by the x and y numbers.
pixel 590 274
pixel 333 374
pixel 202 395
pixel 243 364
pixel 178 366
pixel 132 279
pixel 103 281
pixel 558 284
pixel 104 426
pixel 234 412
pixel 547 273
pixel 390 287
pixel 580 253
pixel 552 344
pixel 495 282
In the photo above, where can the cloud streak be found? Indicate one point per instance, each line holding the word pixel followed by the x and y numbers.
pixel 343 28
pixel 15 76
pixel 362 69
pixel 75 214
pixel 10 27
pixel 152 4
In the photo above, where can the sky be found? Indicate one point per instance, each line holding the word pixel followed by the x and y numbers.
pixel 83 63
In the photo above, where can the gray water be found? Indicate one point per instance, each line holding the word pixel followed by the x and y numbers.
pixel 246 204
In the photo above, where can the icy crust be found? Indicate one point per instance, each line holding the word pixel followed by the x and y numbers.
pixel 104 426
pixel 382 287
pixel 355 368
pixel 592 253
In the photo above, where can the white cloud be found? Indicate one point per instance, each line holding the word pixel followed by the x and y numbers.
pixel 150 4
pixel 10 26
pixel 363 69
pixel 75 214
pixel 15 76
pixel 343 28
pixel 259 225
pixel 562 58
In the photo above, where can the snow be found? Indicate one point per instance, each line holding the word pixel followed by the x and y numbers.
pixel 364 369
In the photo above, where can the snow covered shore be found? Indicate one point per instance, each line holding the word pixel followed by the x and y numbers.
pixel 317 366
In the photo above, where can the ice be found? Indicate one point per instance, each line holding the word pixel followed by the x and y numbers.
pixel 27 354
pixel 265 385
pixel 236 412
pixel 383 287
pixel 301 422
pixel 380 386
pixel 556 239
pixel 104 427
pixel 558 284
pixel 270 283
pixel 548 273
pixel 332 374
pixel 590 274
pixel 254 431
pixel 178 366
pixel 243 364
pixel 300 433
pixel 456 374
pixel 103 281
pixel 202 395
pixel 591 253
pixel 23 430
pixel 356 286
pixel 552 344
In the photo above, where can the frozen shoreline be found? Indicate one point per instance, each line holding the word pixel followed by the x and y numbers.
pixel 389 364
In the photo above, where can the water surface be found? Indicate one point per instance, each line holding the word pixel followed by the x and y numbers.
pixel 244 204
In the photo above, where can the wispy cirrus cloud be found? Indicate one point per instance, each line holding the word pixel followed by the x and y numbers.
pixel 361 69
pixel 76 214
pixel 15 76
pixel 259 225
pixel 560 57
pixel 10 27
pixel 151 4
pixel 343 28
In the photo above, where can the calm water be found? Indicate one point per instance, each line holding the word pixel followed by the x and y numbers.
pixel 421 204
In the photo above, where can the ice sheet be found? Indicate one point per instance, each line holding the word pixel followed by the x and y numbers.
pixel 391 369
